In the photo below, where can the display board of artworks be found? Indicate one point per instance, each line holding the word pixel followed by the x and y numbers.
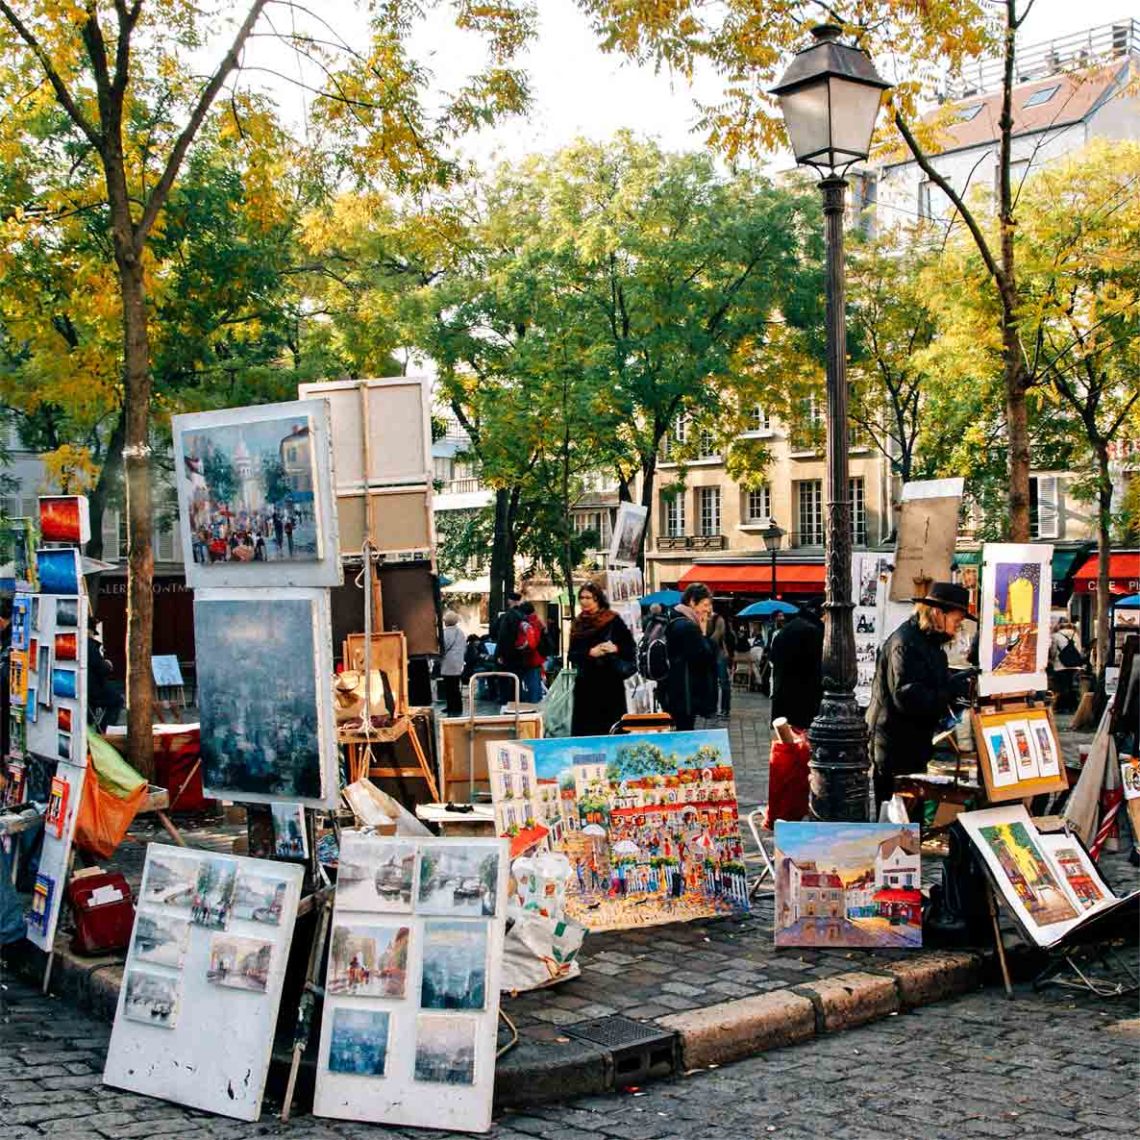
pixel 1013 637
pixel 1048 882
pixel 409 1030
pixel 255 496
pixel 870 579
pixel 928 531
pixel 202 981
pixel 848 884
pixel 18 554
pixel 265 698
pixel 624 587
pixel 1019 752
pixel 629 529
pixel 649 822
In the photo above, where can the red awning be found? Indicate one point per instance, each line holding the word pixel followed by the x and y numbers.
pixel 791 578
pixel 1123 573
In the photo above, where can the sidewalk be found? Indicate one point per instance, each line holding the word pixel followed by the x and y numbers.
pixel 719 985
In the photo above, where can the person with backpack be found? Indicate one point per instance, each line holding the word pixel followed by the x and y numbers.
pixel 533 643
pixel 1065 664
pixel 688 689
pixel 508 657
pixel 603 653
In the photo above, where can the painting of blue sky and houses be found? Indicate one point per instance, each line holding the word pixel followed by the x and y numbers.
pixel 648 821
pixel 848 884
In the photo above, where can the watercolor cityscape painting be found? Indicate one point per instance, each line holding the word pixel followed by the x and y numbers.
pixel 368 961
pixel 848 884
pixel 445 1050
pixel 359 1042
pixel 649 822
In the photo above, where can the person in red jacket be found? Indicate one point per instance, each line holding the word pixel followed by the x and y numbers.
pixel 530 638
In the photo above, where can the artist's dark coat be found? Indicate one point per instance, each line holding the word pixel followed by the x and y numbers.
pixel 910 696
pixel 796 653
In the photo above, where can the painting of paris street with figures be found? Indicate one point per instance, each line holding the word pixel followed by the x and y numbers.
pixel 1013 629
pixel 648 821
pixel 258 698
pixel 249 491
pixel 848 884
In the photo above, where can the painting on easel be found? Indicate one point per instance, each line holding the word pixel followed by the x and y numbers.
pixel 1014 624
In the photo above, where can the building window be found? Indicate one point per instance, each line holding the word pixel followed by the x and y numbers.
pixel 674 512
pixel 709 508
pixel 1044 509
pixel 706 444
pixel 810 503
pixel 1042 96
pixel 759 420
pixel 924 200
pixel 759 505
pixel 968 113
pixel 858 511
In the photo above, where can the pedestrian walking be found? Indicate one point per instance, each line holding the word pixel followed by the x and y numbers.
pixel 724 645
pixel 689 690
pixel 451 663
pixel 914 685
pixel 603 652
pixel 1064 666
pixel 532 656
pixel 796 655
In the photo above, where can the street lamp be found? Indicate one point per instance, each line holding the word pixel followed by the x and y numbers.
pixel 772 536
pixel 830 98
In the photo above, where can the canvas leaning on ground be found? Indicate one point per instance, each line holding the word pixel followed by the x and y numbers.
pixel 848 885
pixel 648 821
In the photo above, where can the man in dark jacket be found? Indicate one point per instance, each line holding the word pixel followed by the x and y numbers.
pixel 795 656
pixel 690 689
pixel 914 686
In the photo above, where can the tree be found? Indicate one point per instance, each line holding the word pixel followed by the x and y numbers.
pixel 92 59
pixel 747 43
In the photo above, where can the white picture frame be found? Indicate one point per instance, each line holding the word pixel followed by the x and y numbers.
pixel 381 1079
pixel 629 530
pixel 212 1052
pixel 1016 583
pixel 273 562
pixel 221 663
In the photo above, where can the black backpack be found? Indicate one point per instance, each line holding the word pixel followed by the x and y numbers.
pixel 1069 656
pixel 545 643
pixel 653 649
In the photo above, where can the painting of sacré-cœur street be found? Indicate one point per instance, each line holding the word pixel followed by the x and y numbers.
pixel 848 884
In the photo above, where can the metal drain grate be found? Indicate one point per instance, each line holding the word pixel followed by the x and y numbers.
pixel 640 1051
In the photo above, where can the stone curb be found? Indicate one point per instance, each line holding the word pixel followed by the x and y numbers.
pixel 537 1072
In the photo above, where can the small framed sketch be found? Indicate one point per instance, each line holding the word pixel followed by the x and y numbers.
pixel 1019 753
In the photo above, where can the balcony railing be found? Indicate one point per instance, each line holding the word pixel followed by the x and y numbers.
pixel 460 486
pixel 815 537
pixel 692 542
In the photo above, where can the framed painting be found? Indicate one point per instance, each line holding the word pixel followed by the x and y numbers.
pixel 928 529
pixel 848 884
pixel 65 518
pixel 1019 752
pixel 629 529
pixel 265 695
pixel 1013 641
pixel 255 497
pixel 409 1029
pixel 197 1025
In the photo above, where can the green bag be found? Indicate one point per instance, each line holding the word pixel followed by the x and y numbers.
pixel 115 775
pixel 558 708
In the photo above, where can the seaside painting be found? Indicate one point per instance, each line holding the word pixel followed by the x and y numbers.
pixel 160 939
pixel 375 876
pixel 151 998
pixel 169 879
pixel 458 880
pixel 848 885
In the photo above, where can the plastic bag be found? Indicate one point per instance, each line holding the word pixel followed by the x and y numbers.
pixel 540 952
pixel 113 792
pixel 558 708
pixel 115 774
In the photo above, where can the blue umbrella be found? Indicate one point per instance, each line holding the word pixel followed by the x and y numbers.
pixel 767 608
pixel 1132 602
pixel 662 598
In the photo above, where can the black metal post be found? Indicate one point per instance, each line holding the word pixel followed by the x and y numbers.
pixel 838 736
pixel 773 575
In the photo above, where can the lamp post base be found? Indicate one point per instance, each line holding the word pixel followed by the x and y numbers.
pixel 840 787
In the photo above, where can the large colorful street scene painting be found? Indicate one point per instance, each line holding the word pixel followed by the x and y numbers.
pixel 848 884
pixel 249 491
pixel 649 822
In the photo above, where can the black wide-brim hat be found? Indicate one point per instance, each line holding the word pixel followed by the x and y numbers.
pixel 948 596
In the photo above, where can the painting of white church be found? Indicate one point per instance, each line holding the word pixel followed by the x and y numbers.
pixel 848 884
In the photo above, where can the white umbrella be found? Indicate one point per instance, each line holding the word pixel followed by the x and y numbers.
pixel 703 842
pixel 626 847
pixel 594 829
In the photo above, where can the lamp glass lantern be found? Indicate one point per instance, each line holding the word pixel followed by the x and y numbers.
pixel 772 537
pixel 830 97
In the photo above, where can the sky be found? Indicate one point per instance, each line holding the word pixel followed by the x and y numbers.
pixel 579 90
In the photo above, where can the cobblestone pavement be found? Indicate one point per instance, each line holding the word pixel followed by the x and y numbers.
pixel 1042 1066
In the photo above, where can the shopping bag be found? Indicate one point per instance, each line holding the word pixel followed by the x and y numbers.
pixel 558 708
pixel 112 794
pixel 540 952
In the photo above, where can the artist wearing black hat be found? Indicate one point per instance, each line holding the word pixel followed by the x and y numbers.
pixel 914 687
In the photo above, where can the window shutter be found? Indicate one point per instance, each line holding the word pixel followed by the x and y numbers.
pixel 1048 507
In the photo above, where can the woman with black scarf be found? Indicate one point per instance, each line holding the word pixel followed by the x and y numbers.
pixel 602 651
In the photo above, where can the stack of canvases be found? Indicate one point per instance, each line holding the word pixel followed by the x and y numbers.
pixel 48 687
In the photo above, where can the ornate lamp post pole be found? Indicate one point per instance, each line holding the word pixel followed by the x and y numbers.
pixel 772 537
pixel 830 98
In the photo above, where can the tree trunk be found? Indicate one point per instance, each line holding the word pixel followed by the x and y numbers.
pixel 1017 427
pixel 1104 549
pixel 500 556
pixel 140 554
pixel 104 485
pixel 567 559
